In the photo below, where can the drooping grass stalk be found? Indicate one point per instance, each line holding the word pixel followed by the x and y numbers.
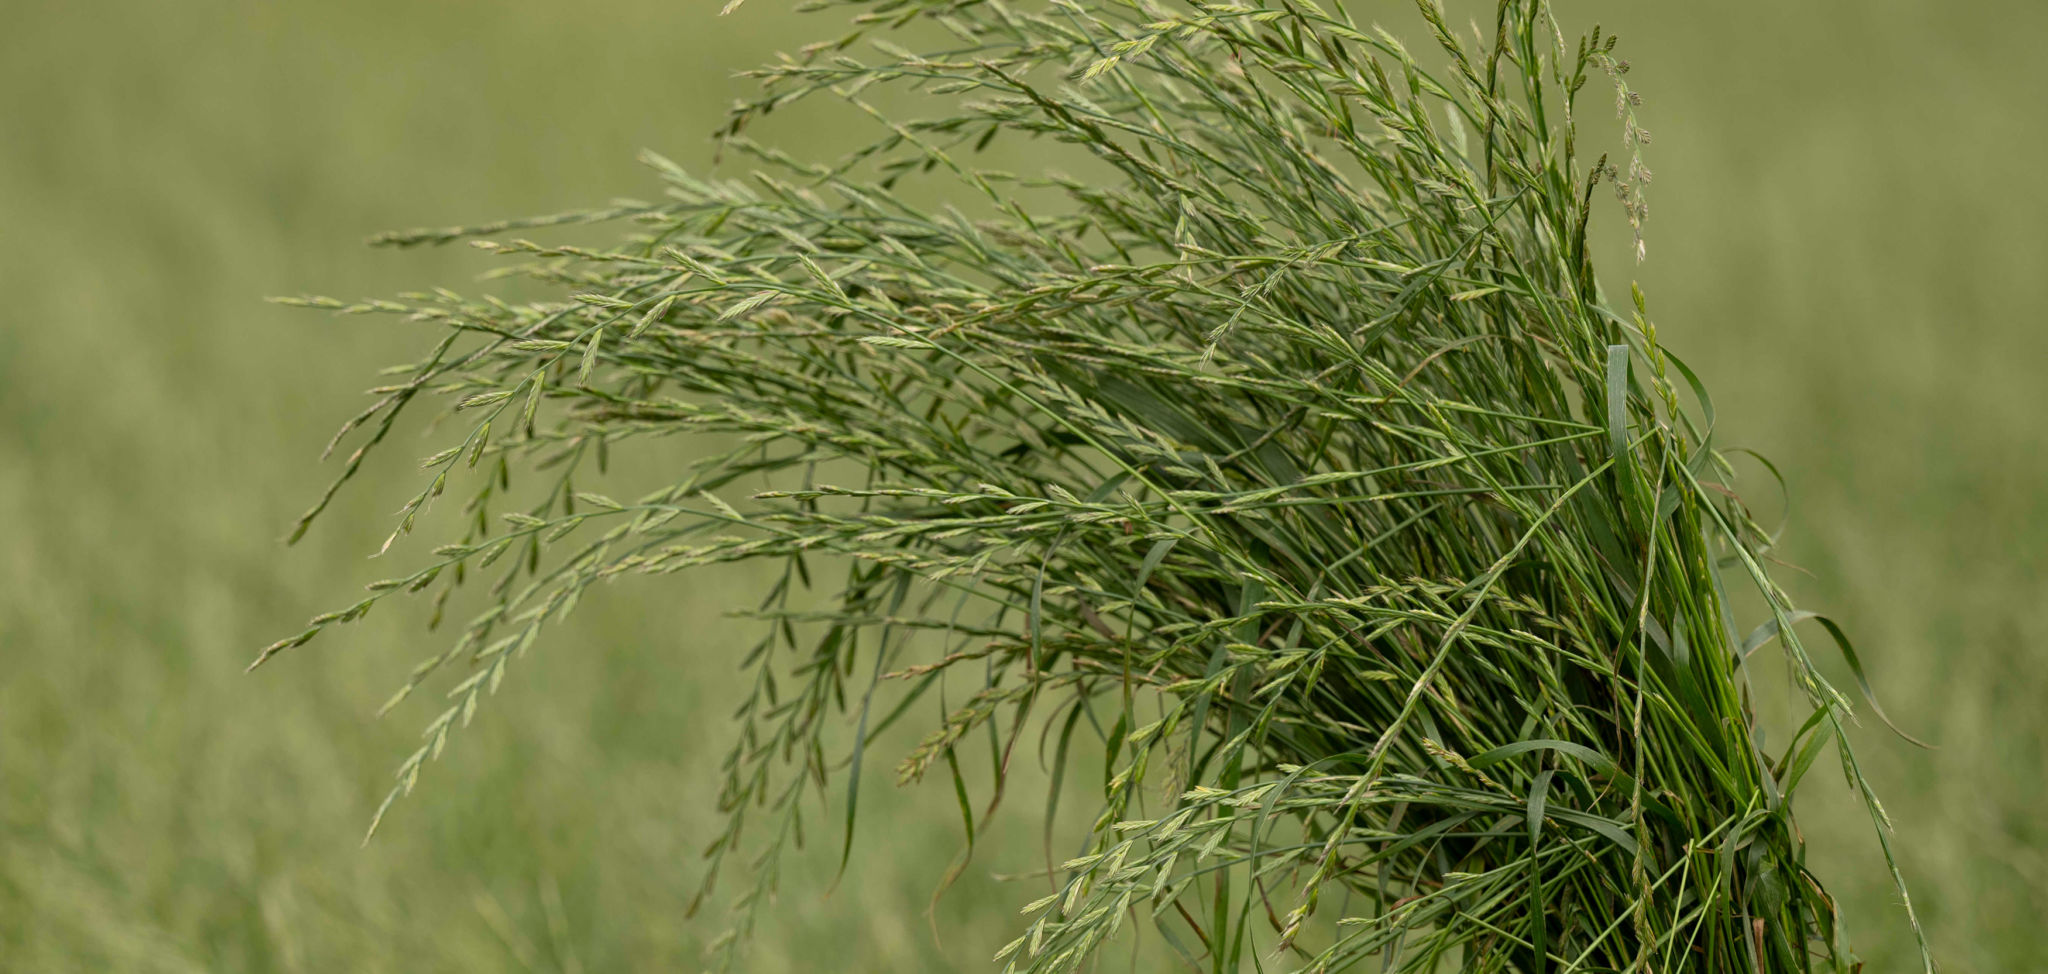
pixel 1293 457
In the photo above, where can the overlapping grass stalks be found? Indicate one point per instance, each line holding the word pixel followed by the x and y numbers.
pixel 1291 460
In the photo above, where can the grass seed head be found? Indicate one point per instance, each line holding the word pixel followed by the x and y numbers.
pixel 1293 455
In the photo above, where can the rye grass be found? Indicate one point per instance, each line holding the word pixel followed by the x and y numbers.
pixel 1292 458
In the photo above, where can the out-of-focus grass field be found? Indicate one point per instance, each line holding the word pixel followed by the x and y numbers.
pixel 1848 240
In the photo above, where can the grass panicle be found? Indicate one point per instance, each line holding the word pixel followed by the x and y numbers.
pixel 1290 457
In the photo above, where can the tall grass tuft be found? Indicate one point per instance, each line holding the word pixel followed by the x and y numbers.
pixel 1291 459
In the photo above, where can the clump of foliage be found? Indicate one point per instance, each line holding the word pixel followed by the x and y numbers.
pixel 1290 458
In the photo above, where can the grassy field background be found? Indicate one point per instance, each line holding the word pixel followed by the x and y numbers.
pixel 1847 241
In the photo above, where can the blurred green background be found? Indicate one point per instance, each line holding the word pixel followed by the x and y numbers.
pixel 1847 240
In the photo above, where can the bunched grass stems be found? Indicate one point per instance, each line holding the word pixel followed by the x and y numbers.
pixel 1296 459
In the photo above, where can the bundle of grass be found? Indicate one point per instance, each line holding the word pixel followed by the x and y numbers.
pixel 1291 457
